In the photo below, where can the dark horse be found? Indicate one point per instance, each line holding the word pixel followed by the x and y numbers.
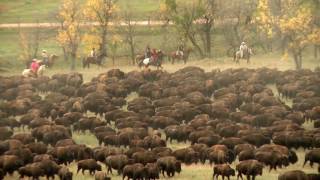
pixel 51 60
pixel 173 56
pixel 246 55
pixel 86 61
pixel 153 62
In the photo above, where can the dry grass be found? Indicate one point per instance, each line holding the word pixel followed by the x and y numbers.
pixel 257 61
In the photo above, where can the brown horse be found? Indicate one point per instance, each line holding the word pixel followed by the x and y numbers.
pixel 139 58
pixel 86 61
pixel 173 56
pixel 52 58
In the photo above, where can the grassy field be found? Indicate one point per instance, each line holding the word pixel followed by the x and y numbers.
pixel 15 11
pixel 195 171
pixel 10 47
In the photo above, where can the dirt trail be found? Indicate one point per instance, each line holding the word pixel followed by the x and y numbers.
pixel 55 25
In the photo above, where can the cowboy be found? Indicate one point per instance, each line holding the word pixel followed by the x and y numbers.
pixel 154 55
pixel 147 53
pixel 34 66
pixel 45 57
pixel 93 52
pixel 243 48
pixel 179 52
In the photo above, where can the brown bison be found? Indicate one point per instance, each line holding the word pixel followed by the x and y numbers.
pixel 88 164
pixel 65 174
pixel 313 156
pixel 116 162
pixel 249 168
pixel 293 175
pixel 169 164
pixel 134 171
pixel 223 170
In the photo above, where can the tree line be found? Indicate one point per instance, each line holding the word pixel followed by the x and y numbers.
pixel 288 25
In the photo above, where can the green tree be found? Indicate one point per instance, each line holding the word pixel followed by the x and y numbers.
pixel 194 20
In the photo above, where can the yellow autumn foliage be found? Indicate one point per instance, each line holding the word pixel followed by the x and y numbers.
pixel 69 33
pixel 100 10
pixel 264 19
pixel 91 41
pixel 298 27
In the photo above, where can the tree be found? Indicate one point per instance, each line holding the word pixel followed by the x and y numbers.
pixel 193 20
pixel 314 5
pixel 101 11
pixel 69 35
pixel 114 46
pixel 296 27
pixel 234 19
pixel 265 22
pixel 29 44
pixel 208 24
pixel 129 31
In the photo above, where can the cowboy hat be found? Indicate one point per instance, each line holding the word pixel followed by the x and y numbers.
pixel 34 60
pixel 44 51
pixel 243 43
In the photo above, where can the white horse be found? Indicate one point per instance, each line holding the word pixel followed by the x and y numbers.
pixel 29 73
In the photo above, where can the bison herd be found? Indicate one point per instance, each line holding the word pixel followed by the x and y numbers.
pixel 225 115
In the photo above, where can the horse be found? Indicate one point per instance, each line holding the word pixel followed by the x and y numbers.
pixel 246 55
pixel 151 62
pixel 86 61
pixel 139 58
pixel 29 73
pixel 52 58
pixel 174 56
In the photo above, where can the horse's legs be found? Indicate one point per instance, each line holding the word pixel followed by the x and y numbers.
pixel 237 60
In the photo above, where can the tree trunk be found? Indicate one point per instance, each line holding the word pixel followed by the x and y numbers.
pixel 297 57
pixel 208 39
pixel 113 60
pixel 316 51
pixel 300 59
pixel 103 48
pixel 73 61
pixel 194 43
pixel 132 53
pixel 65 54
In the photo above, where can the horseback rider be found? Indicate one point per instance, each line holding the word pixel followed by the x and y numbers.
pixel 243 48
pixel 180 50
pixel 147 53
pixel 34 66
pixel 154 55
pixel 93 53
pixel 45 57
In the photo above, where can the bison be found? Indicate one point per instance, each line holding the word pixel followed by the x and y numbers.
pixel 223 170
pixel 88 164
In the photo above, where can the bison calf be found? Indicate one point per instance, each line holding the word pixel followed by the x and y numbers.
pixel 65 174
pixel 101 176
